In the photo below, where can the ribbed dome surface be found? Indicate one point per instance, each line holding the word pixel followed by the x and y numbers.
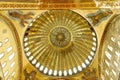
pixel 60 43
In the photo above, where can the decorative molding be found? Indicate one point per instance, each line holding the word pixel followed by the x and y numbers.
pixel 30 75
pixel 42 6
pixel 99 16
pixel 90 74
pixel 22 17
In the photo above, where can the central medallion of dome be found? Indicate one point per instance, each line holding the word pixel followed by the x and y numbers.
pixel 60 37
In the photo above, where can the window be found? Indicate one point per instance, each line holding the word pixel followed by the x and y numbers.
pixel 12 64
pixel 9 49
pixel 4 64
pixel 6 40
pixel 11 56
pixel 13 73
pixel 1 55
pixel 0 44
pixel 5 74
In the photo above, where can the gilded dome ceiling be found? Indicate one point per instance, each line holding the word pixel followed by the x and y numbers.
pixel 60 43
